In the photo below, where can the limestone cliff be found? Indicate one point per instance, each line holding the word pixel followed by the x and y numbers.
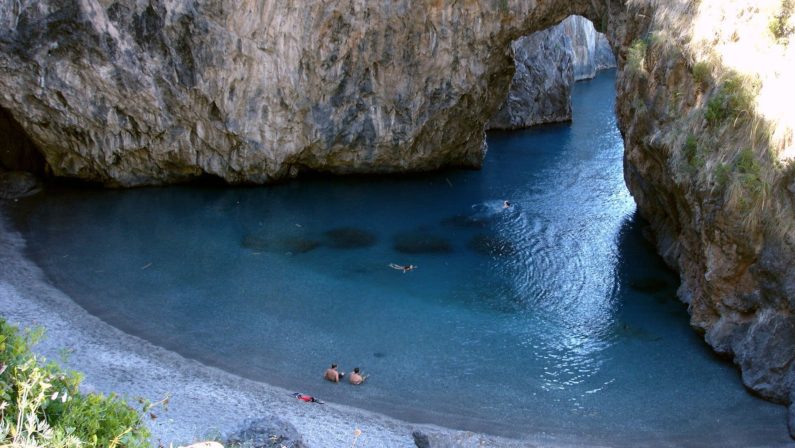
pixel 592 51
pixel 705 112
pixel 547 63
pixel 146 92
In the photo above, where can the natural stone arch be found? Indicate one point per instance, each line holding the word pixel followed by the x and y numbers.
pixel 137 93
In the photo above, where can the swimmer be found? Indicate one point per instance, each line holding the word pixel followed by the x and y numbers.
pixel 506 204
pixel 333 375
pixel 404 268
pixel 356 378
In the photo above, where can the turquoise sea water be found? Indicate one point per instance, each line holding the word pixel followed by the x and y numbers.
pixel 551 316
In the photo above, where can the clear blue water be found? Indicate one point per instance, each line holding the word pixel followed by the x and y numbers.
pixel 552 316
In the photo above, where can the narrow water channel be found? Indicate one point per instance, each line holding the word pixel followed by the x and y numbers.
pixel 551 315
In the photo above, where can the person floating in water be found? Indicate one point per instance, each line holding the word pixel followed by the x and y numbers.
pixel 356 377
pixel 506 204
pixel 404 268
pixel 333 375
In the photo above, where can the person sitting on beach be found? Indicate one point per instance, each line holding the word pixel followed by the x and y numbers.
pixel 333 375
pixel 356 377
pixel 404 268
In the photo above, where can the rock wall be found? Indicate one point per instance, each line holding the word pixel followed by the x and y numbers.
pixel 540 90
pixel 138 92
pixel 592 51
pixel 708 159
pixel 547 63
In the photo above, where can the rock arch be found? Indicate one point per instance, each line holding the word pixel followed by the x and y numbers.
pixel 130 94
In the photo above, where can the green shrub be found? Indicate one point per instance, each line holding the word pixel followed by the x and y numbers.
pixel 779 25
pixel 717 109
pixel 690 151
pixel 749 172
pixel 722 173
pixel 42 406
pixel 701 73
pixel 734 99
pixel 636 56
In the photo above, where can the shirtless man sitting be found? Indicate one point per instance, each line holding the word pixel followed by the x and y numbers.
pixel 332 374
pixel 356 377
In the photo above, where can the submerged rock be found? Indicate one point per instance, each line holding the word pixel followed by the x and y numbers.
pixel 418 242
pixel 285 244
pixel 349 238
pixel 465 221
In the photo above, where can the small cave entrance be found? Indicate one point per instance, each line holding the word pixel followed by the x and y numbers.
pixel 547 63
pixel 17 151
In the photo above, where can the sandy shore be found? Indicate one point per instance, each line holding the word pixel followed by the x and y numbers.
pixel 206 402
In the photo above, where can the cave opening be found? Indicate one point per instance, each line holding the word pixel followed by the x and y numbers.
pixel 17 151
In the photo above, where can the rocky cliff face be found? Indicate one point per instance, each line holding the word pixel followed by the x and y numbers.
pixel 547 63
pixel 134 93
pixel 540 90
pixel 592 51
pixel 708 158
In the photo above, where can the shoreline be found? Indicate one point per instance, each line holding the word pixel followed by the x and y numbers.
pixel 206 402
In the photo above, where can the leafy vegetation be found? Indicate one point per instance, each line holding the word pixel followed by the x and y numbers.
pixel 734 99
pixel 636 56
pixel 701 73
pixel 749 172
pixel 722 173
pixel 41 406
pixel 691 152
pixel 779 25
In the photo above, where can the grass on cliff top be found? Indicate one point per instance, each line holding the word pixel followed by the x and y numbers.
pixel 41 405
pixel 733 100
pixel 780 25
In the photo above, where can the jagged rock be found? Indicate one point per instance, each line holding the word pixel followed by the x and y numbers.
pixel 265 433
pixel 547 63
pixel 421 440
pixel 603 54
